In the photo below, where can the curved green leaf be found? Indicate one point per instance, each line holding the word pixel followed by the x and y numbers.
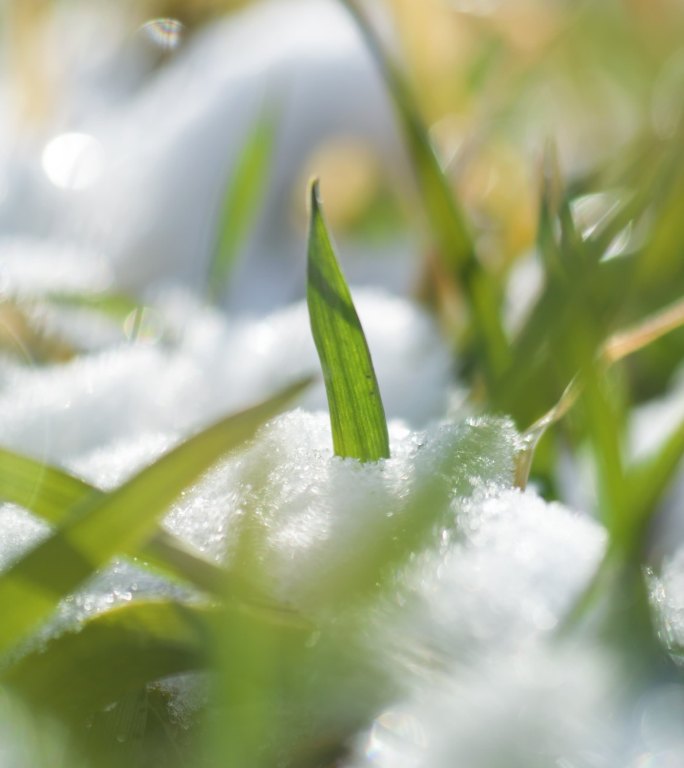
pixel 357 416
pixel 113 654
pixel 52 494
pixel 47 491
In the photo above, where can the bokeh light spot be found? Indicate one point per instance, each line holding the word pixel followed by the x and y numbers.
pixel 73 160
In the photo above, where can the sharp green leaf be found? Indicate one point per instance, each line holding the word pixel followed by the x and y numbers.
pixel 357 415
pixel 118 522
pixel 241 199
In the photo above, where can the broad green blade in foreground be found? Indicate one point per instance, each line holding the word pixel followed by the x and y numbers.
pixel 46 491
pixel 357 416
pixel 112 654
pixel 52 494
pixel 117 522
pixel 241 199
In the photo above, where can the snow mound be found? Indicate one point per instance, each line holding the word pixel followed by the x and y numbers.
pixel 505 575
pixel 667 595
pixel 319 520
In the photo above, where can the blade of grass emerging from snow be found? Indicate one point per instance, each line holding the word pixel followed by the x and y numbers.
pixel 118 522
pixel 446 218
pixel 357 416
pixel 241 200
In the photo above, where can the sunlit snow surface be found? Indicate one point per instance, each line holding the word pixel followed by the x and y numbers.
pixel 322 517
pixel 459 636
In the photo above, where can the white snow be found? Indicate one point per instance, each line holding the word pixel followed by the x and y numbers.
pixel 539 707
pixel 107 414
pixel 508 574
pixel 209 364
pixel 462 628
pixel 31 267
pixel 469 627
pixel 319 518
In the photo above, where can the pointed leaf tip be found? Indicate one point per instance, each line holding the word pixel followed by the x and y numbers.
pixel 357 415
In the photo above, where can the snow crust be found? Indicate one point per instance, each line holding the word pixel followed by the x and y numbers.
pixel 460 633
pixel 512 561
pixel 469 626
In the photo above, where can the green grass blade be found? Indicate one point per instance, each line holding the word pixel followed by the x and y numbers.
pixel 447 220
pixel 46 491
pixel 241 200
pixel 118 522
pixel 357 416
pixel 113 654
pixel 578 299
pixel 52 494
